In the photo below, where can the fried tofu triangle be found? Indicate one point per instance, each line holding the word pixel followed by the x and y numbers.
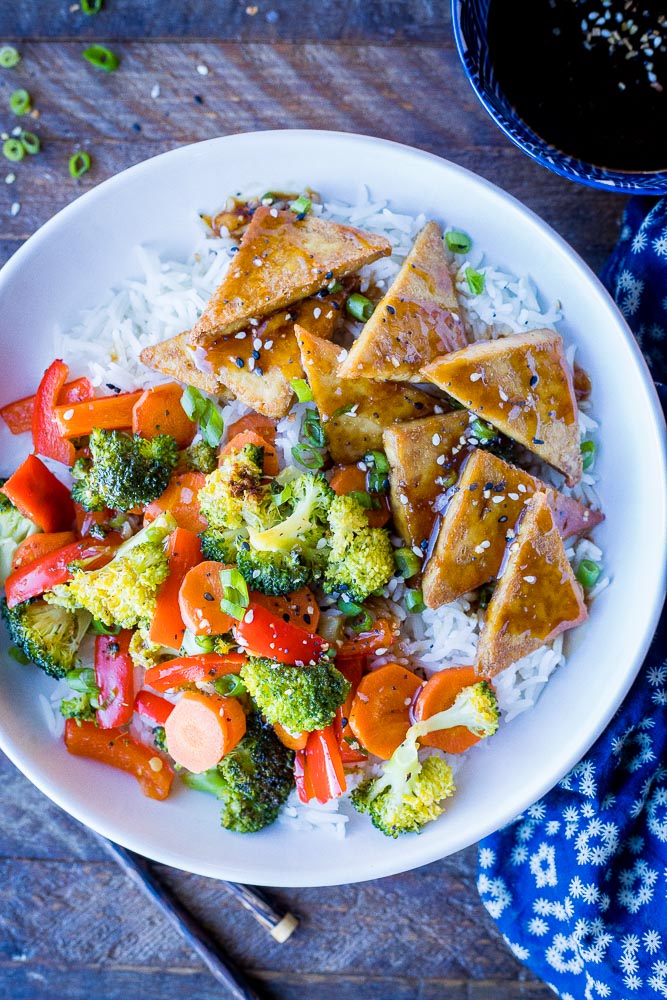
pixel 416 321
pixel 175 358
pixel 537 596
pixel 281 259
pixel 523 385
pixel 355 413
pixel 481 517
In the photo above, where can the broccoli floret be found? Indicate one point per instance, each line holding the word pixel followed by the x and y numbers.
pixel 200 457
pixel 147 654
pixel 233 485
pixel 126 470
pixel 253 780
pixel 78 707
pixel 14 529
pixel 124 591
pixel 160 739
pixel 361 559
pixel 409 794
pixel 219 544
pixel 49 636
pixel 299 698
pixel 272 573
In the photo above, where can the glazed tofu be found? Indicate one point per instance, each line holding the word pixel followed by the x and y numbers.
pixel 283 258
pixel 523 385
pixel 481 518
pixel 175 357
pixel 422 466
pixel 355 413
pixel 416 321
pixel 536 598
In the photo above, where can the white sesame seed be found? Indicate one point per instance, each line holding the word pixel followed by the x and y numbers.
pixel 249 615
pixel 240 336
pixel 68 414
pixel 503 395
pixel 257 344
pixel 17 131
pixel 268 344
pixel 202 69
pixel 378 652
pixel 513 496
pixel 362 466
pixel 317 313
pixel 438 409
pixel 329 314
pixel 475 377
pixel 251 364
pixel 395 362
pixel 487 494
pixel 436 439
pixel 10 178
pixel 499 499
pixel 522 487
pixel 530 579
pixel 342 355
pixel 257 261
pixel 407 701
pixel 417 551
pixel 274 213
pixel 155 764
pixel 254 322
pixel 16 208
pixel 403 499
pixel 440 460
pixel 155 92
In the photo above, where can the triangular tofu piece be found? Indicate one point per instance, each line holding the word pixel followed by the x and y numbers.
pixel 480 519
pixel 175 358
pixel 355 413
pixel 523 385
pixel 537 596
pixel 283 258
pixel 421 467
pixel 416 321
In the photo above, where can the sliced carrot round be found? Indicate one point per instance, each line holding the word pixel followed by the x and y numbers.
pixel 202 728
pixel 262 425
pixel 159 411
pixel 181 499
pixel 293 741
pixel 352 479
pixel 380 713
pixel 439 693
pixel 35 546
pixel 199 600
pixel 239 441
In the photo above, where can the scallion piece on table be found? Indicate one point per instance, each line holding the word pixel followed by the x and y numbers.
pixel 9 56
pixel 348 606
pixel 457 241
pixel 13 150
pixel 91 6
pixel 588 573
pixel 79 163
pixel 235 593
pixel 407 562
pixel 31 143
pixel 475 281
pixel 19 102
pixel 360 307
pixel 414 601
pixel 103 58
pixel 301 389
pixel 301 205
pixel 483 432
pixel 229 686
pixel 587 454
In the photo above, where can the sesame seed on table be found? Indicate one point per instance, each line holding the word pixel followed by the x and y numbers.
pixel 73 925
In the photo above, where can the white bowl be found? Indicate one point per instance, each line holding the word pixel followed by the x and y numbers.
pixel 87 248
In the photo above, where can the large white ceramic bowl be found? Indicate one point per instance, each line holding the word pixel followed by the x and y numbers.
pixel 87 248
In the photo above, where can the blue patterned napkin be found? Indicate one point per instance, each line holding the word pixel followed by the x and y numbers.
pixel 578 883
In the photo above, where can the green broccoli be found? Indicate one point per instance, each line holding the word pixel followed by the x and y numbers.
pixel 272 573
pixel 361 559
pixel 49 636
pixel 199 457
pixel 124 591
pixel 253 780
pixel 86 700
pixel 233 485
pixel 409 794
pixel 126 470
pixel 14 529
pixel 147 654
pixel 160 738
pixel 219 544
pixel 78 707
pixel 299 698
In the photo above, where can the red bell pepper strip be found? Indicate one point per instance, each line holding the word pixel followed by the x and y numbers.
pixel 264 634
pixel 183 552
pixel 187 670
pixel 153 707
pixel 108 412
pixel 46 436
pixel 119 749
pixel 36 546
pixel 114 676
pixel 319 773
pixel 18 415
pixel 41 575
pixel 40 496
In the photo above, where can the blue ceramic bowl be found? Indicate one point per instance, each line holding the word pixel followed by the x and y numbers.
pixel 469 18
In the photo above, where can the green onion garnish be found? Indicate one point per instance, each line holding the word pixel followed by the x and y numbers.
pixel 103 58
pixel 301 205
pixel 364 622
pixel 360 307
pixel 18 655
pixel 268 198
pixel 334 286
pixel 587 454
pixel 203 411
pixel 301 390
pixel 229 686
pixel 377 460
pixel 9 57
pixel 206 643
pixel 342 410
pixel 13 150
pixel 457 241
pixel 414 601
pixel 19 102
pixel 588 573
pixel 235 598
pixel 483 432
pixel 448 479
pixel 194 403
pixel 485 594
pixel 79 163
pixel 313 430
pixel 31 143
pixel 363 499
pixel 306 456
pixel 348 606
pixel 99 628
pixel 378 471
pixel 407 562
pixel 475 281
pixel 91 6
pixel 82 680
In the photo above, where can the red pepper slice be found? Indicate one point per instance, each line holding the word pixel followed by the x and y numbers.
pixel 183 552
pixel 119 749
pixel 114 675
pixel 304 785
pixel 153 707
pixel 46 436
pixel 41 575
pixel 264 634
pixel 40 496
pixel 186 670
pixel 319 773
pixel 18 415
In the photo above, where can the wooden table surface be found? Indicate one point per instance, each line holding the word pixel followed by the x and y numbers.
pixel 72 925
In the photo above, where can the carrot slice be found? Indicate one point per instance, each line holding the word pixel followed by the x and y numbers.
pixel 108 412
pixel 36 546
pixel 439 693
pixel 183 552
pixel 300 606
pixel 381 636
pixel 202 728
pixel 239 441
pixel 199 600
pixel 159 411
pixel 352 479
pixel 380 713
pixel 187 670
pixel 181 500
pixel 293 741
pixel 264 426
pixel 352 669
pixel 18 415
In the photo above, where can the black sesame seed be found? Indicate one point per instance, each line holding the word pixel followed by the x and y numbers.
pixel 240 362
pixel 391 310
pixel 501 520
pixel 285 617
pixel 534 380
pixel 208 596
pixel 136 127
pixel 537 441
pixel 198 99
pixel 255 355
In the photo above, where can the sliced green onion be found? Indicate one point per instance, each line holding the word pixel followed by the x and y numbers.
pixel 588 573
pixel 377 460
pixel 360 307
pixel 9 56
pixel 348 606
pixel 206 643
pixel 99 628
pixel 302 390
pixel 301 205
pixel 475 281
pixel 229 686
pixel 363 499
pixel 201 410
pixel 414 601
pixel 269 198
pixel 334 286
pixel 483 432
pixel 313 430
pixel 82 680
pixel 103 58
pixel 587 454
pixel 31 143
pixel 364 622
pixel 457 241
pixel 448 480
pixel 79 163
pixel 407 562
pixel 91 6
pixel 13 150
pixel 18 655
pixel 194 403
pixel 19 102
pixel 342 410
pixel 235 599
pixel 304 455
pixel 485 594
pixel 378 471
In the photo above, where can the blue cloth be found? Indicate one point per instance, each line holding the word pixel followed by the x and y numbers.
pixel 578 883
